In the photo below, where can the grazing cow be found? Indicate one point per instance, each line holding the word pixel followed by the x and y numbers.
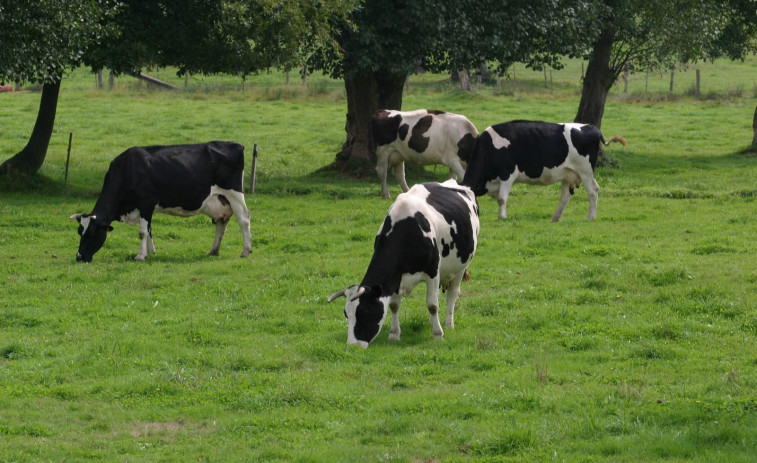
pixel 539 153
pixel 6 88
pixel 183 180
pixel 429 234
pixel 421 137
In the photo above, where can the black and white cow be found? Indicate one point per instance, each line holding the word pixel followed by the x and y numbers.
pixel 421 137
pixel 183 180
pixel 539 153
pixel 430 234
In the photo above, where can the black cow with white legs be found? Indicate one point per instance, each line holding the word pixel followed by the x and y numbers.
pixel 422 137
pixel 429 235
pixel 183 180
pixel 539 153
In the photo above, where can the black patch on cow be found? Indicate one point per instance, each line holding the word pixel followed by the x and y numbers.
pixel 368 315
pixel 445 248
pixel 436 112
pixel 400 248
pixel 385 127
pixel 418 140
pixel 465 147
pixel 586 140
pixel 403 130
pixel 452 204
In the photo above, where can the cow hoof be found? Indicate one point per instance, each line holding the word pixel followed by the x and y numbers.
pixel 394 336
pixel 245 253
pixel 439 336
pixel 139 258
pixel 212 253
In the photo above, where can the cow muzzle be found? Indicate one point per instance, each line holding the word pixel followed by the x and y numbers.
pixel 80 258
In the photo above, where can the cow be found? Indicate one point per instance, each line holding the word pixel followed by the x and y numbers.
pixel 430 234
pixel 421 137
pixel 183 180
pixel 539 153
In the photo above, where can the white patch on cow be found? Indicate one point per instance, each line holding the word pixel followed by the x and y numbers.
pixel 132 218
pixel 566 133
pixel 85 221
pixel 498 141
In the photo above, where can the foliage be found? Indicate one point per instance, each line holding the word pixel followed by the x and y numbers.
pixel 239 37
pixel 42 38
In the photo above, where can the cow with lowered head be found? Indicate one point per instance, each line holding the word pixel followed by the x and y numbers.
pixel 183 180
pixel 429 235
pixel 421 137
pixel 539 153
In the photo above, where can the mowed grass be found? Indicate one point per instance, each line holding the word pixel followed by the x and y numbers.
pixel 627 339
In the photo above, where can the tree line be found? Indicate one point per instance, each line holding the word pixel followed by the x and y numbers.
pixel 373 45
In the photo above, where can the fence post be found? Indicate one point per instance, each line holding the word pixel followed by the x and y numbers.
pixel 697 88
pixel 68 156
pixel 253 173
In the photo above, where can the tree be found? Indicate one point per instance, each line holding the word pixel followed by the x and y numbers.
pixel 384 41
pixel 639 34
pixel 40 40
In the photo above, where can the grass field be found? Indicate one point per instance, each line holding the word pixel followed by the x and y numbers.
pixel 627 339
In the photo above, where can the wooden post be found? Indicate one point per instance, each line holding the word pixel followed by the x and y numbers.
pixel 646 82
pixel 754 127
pixel 111 80
pixel 672 76
pixel 625 80
pixel 100 78
pixel 253 172
pixel 545 77
pixel 186 80
pixel 68 156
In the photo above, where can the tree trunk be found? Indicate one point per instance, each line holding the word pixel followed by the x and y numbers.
pixel 464 80
pixel 30 159
pixel 754 127
pixel 597 82
pixel 367 93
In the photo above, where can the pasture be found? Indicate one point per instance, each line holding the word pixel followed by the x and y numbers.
pixel 627 339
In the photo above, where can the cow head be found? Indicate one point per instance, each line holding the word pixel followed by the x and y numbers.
pixel 365 311
pixel 93 234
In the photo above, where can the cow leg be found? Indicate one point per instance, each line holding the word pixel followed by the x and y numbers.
pixel 504 194
pixel 456 170
pixel 565 195
pixel 399 174
pixel 394 305
pixel 239 209
pixel 592 189
pixel 432 302
pixel 453 291
pixel 220 230
pixel 145 236
pixel 382 166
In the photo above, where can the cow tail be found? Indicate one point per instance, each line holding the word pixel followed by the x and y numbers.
pixel 616 138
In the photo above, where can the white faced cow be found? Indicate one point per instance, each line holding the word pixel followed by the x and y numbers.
pixel 539 153
pixel 421 137
pixel 182 180
pixel 430 234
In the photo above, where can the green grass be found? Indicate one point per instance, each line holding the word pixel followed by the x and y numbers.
pixel 626 339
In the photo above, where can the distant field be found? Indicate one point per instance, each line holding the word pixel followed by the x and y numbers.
pixel 626 339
